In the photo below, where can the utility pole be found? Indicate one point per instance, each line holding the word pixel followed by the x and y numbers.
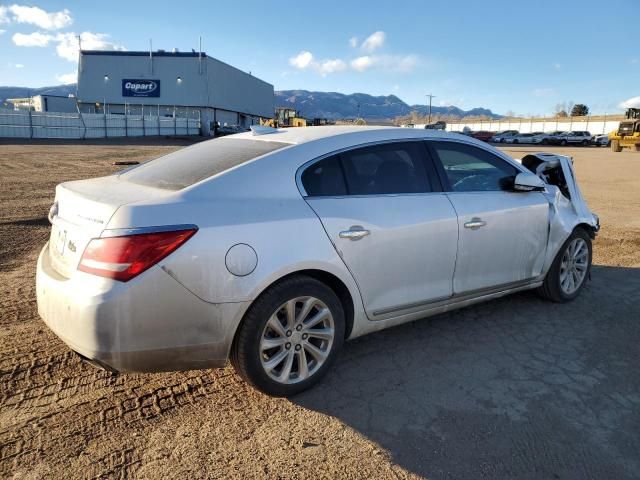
pixel 430 97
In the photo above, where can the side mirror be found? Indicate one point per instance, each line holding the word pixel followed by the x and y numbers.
pixel 528 182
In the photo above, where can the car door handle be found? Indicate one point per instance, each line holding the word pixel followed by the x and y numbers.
pixel 354 233
pixel 475 223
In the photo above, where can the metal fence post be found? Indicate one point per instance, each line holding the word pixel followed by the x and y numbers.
pixel 175 126
pixel 30 122
pixel 104 110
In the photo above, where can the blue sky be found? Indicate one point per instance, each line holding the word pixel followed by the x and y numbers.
pixel 523 57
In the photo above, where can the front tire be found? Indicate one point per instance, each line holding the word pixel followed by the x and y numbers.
pixel 563 143
pixel 615 146
pixel 570 269
pixel 289 337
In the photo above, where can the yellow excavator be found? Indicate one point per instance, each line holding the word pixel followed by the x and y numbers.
pixel 628 133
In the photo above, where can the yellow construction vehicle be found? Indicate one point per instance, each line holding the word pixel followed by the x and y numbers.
pixel 285 117
pixel 628 133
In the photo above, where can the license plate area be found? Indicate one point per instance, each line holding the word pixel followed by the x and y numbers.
pixel 59 240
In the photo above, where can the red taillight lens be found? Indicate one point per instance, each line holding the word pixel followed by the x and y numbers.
pixel 122 258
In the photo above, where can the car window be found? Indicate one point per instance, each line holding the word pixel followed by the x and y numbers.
pixel 472 169
pixel 386 169
pixel 187 166
pixel 324 178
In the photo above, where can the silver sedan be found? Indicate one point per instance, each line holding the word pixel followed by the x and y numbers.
pixel 273 247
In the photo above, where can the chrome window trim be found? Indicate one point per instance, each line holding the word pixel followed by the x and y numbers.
pixel 487 148
pixel 374 195
pixel 308 164
pixel 122 232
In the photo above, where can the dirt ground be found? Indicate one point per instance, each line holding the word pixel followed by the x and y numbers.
pixel 515 388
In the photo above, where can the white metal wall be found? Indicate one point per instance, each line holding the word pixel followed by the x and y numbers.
pixel 19 124
pixel 524 125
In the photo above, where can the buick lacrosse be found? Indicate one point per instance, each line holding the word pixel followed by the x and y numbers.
pixel 273 247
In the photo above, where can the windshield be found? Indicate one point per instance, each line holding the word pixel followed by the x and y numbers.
pixel 185 167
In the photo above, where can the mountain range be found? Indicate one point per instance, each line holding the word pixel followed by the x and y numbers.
pixel 335 105
pixel 331 105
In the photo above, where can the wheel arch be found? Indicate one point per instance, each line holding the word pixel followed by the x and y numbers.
pixel 331 280
pixel 590 229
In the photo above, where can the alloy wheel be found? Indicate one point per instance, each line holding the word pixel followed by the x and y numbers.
pixel 574 266
pixel 296 340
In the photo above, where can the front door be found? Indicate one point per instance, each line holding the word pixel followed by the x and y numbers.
pixel 502 233
pixel 396 235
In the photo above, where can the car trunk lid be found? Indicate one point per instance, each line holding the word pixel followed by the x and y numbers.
pixel 81 212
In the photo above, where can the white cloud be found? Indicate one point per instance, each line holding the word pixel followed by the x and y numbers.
pixel 633 102
pixel 556 65
pixel 18 65
pixel 331 66
pixel 67 78
pixel 396 87
pixel 363 63
pixel 634 61
pixel 374 41
pixel 67 47
pixel 41 18
pixel 353 42
pixel 391 63
pixel 35 39
pixel 2 31
pixel 302 60
pixel 4 17
pixel 67 43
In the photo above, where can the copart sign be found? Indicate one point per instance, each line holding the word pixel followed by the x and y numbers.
pixel 140 87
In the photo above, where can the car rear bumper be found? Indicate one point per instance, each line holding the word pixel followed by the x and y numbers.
pixel 149 324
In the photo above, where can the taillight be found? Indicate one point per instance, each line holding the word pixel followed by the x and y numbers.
pixel 122 258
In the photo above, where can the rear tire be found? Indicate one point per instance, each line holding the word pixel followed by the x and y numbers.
pixel 585 143
pixel 573 259
pixel 278 349
pixel 615 146
pixel 637 147
pixel 563 143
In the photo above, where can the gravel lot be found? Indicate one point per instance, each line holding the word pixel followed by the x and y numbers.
pixel 516 388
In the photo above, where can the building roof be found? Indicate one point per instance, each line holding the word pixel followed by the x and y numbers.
pixel 157 53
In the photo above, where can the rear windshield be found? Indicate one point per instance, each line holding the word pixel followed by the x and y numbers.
pixel 190 165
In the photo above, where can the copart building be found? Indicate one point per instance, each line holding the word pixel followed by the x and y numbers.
pixel 183 84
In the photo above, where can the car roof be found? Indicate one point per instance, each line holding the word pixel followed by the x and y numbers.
pixel 301 135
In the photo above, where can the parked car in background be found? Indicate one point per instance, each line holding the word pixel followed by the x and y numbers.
pixel 601 140
pixel 273 248
pixel 581 137
pixel 439 125
pixel 483 135
pixel 543 137
pixel 501 137
pixel 522 138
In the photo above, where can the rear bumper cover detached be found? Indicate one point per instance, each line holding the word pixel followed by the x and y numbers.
pixel 149 324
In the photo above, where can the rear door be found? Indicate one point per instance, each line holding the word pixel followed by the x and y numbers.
pixel 384 211
pixel 502 234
